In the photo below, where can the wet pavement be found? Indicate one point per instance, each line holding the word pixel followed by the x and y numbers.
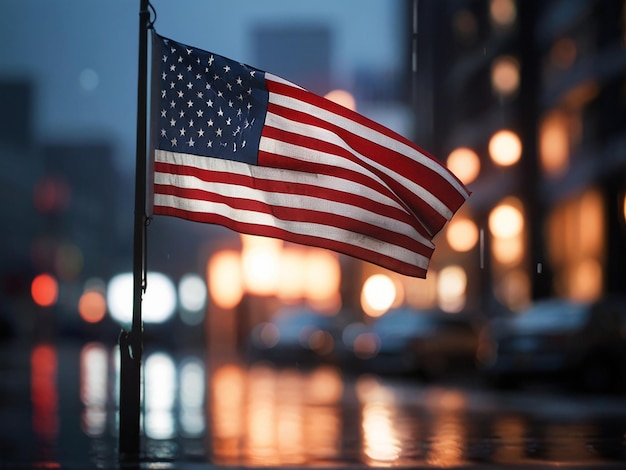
pixel 58 409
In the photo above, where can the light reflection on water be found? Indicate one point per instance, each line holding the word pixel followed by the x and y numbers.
pixel 259 415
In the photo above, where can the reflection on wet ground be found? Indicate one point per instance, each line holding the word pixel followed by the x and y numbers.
pixel 58 409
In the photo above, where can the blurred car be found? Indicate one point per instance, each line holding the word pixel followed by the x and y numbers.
pixel 429 343
pixel 295 336
pixel 580 344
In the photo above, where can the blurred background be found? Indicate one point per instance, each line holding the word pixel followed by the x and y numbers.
pixel 524 101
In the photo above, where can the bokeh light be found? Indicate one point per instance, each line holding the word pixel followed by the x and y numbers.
pixel 225 278
pixel 323 275
pixel 292 278
pixel 44 290
pixel 192 295
pixel 462 234
pixel 506 220
pixel 342 97
pixel 378 294
pixel 505 75
pixel 92 306
pixel 554 143
pixel 464 163
pixel 503 12
pixel 260 258
pixel 159 300
pixel 505 148
pixel 451 288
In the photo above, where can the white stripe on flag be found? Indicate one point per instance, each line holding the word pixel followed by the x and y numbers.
pixel 327 232
pixel 296 201
pixel 362 131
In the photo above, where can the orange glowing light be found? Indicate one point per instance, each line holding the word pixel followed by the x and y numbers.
pixel 44 290
pixel 92 306
pixel 225 278
pixel 462 234
pixel 464 163
pixel 342 97
pixel 505 148
pixel 505 76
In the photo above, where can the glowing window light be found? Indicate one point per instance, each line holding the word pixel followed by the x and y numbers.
pixel 260 258
pixel 591 223
pixel 92 306
pixel 192 294
pixel 506 220
pixel 505 76
pixel 323 275
pixel 505 148
pixel 554 144
pixel 378 295
pixel 586 280
pixel 342 97
pixel 502 12
pixel 225 278
pixel 451 286
pixel 624 207
pixel 160 395
pixel 464 163
pixel 159 300
pixel 508 250
pixel 44 290
pixel 462 234
pixel 292 275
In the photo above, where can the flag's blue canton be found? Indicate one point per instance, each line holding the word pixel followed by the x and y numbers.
pixel 209 105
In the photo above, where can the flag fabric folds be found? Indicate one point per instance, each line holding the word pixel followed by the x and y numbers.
pixel 239 147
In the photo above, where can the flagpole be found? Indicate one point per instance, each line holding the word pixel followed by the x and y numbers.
pixel 131 343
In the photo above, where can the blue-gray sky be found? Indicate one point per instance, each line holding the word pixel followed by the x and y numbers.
pixel 81 55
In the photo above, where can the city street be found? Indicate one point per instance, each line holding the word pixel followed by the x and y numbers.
pixel 58 413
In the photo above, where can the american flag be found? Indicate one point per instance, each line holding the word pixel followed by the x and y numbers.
pixel 235 146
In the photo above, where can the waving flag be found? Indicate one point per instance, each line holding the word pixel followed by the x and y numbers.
pixel 235 146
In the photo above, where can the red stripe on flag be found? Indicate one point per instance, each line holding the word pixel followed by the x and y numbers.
pixel 374 257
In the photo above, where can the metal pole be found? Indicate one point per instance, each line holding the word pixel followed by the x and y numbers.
pixel 131 343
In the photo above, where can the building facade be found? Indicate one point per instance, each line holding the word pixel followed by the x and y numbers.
pixel 526 102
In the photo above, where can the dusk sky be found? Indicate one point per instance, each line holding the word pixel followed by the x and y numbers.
pixel 81 55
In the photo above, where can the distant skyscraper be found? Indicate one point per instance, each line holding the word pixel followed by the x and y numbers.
pixel 300 53
pixel 16 103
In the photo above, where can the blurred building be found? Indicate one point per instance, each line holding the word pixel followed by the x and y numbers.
pixel 17 179
pixel 526 102
pixel 60 207
pixel 77 196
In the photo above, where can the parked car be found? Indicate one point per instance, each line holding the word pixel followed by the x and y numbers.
pixel 582 344
pixel 430 343
pixel 295 336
